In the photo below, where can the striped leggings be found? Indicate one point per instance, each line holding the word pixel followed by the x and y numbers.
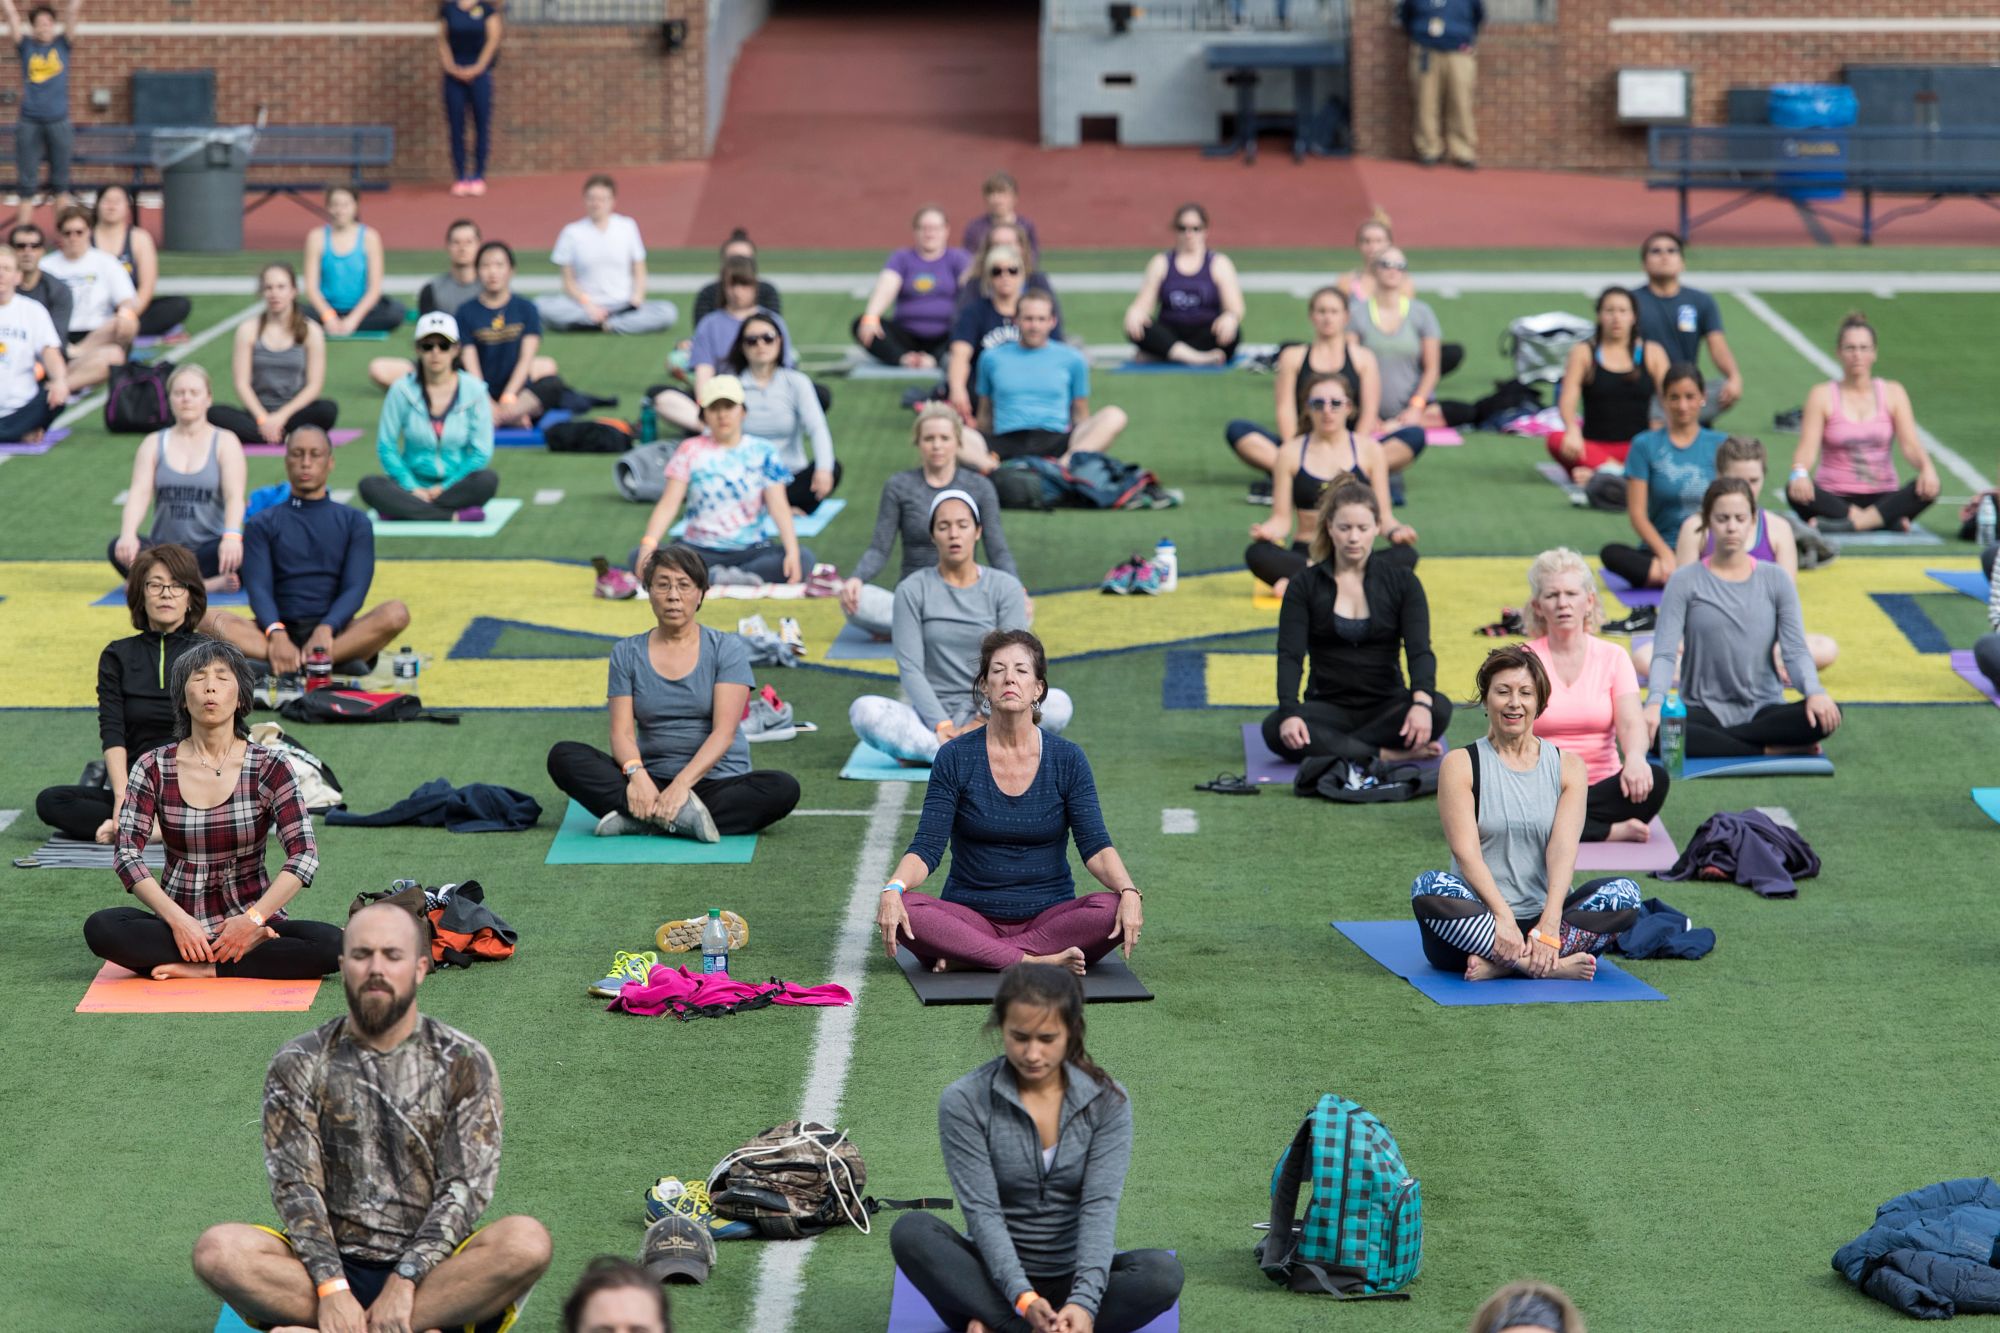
pixel 1456 925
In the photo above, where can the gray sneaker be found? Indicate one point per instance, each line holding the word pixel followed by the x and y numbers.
pixel 618 824
pixel 694 821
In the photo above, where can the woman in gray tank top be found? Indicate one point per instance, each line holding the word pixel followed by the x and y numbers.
pixel 278 366
pixel 1512 806
pixel 191 476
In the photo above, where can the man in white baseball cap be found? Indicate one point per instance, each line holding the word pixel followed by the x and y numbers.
pixel 435 438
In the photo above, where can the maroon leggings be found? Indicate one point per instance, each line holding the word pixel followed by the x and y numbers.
pixel 959 934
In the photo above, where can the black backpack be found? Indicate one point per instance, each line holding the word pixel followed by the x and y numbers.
pixel 1352 782
pixel 337 705
pixel 136 398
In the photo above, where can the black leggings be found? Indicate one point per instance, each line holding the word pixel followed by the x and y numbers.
pixel 74 812
pixel 947 1269
pixel 139 941
pixel 1353 733
pixel 1271 562
pixel 389 500
pixel 1634 564
pixel 207 555
pixel 897 342
pixel 382 317
pixel 321 412
pixel 742 804
pixel 1894 506
pixel 800 491
pixel 1778 724
pixel 162 313
pixel 1606 804
pixel 1160 336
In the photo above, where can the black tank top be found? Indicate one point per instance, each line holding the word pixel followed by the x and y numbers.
pixel 1307 489
pixel 1617 406
pixel 1307 372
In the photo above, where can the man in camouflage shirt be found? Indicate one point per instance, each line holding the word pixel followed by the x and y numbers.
pixel 382 1139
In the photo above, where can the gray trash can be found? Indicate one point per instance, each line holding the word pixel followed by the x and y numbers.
pixel 201 176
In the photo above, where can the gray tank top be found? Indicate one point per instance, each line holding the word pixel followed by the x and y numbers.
pixel 187 506
pixel 1517 811
pixel 276 377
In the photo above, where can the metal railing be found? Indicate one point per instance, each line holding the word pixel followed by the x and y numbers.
pixel 1316 17
pixel 1519 13
pixel 610 12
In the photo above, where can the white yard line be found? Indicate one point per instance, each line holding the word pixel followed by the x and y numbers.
pixel 93 401
pixel 781 1268
pixel 550 497
pixel 1177 819
pixel 7 818
pixel 1826 366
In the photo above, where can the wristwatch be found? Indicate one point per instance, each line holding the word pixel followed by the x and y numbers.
pixel 409 1271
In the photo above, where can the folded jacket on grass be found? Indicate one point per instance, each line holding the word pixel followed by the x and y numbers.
pixel 697 995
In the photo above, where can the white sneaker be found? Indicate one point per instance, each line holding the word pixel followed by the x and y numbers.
pixel 791 635
pixel 618 824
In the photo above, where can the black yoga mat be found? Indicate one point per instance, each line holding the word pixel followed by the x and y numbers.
pixel 1108 981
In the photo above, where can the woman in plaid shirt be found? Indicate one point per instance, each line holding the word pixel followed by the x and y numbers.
pixel 215 912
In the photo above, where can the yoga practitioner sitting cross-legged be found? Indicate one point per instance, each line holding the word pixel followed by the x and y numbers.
pixel 1513 806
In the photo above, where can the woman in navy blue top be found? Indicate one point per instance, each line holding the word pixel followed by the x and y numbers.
pixel 1007 796
pixel 468 44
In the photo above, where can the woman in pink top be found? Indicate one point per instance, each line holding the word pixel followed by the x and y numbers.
pixel 1593 709
pixel 1848 428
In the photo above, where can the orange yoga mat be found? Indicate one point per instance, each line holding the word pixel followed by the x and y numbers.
pixel 117 991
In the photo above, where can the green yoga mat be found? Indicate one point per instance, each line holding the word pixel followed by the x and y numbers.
pixel 360 336
pixel 497 514
pixel 576 845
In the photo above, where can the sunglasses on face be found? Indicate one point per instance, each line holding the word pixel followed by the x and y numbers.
pixel 1396 265
pixel 1004 270
pixel 758 339
pixel 27 245
pixel 433 345
pixel 1326 404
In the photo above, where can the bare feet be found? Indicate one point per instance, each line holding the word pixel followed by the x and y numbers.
pixel 1071 958
pixel 1215 357
pixel 1428 750
pixel 1576 967
pixel 1580 474
pixel 1865 518
pixel 944 965
pixel 182 971
pixel 976 1327
pixel 32 437
pixel 1481 969
pixel 1629 830
pixel 920 361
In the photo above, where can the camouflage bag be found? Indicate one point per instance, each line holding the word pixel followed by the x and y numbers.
pixel 799 1179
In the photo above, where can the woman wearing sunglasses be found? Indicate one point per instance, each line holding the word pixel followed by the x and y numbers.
pixel 1408 343
pixel 1190 307
pixel 779 405
pixel 435 438
pixel 1305 467
pixel 985 323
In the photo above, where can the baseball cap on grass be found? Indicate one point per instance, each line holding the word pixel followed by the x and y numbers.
pixel 678 1249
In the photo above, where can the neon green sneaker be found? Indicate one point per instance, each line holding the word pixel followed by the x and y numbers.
pixel 670 1194
pixel 625 967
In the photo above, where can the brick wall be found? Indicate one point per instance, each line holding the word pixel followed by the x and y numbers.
pixel 1547 92
pixel 567 97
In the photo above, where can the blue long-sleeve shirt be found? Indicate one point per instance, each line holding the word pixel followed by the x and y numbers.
pixel 415 454
pixel 1007 854
pixel 308 562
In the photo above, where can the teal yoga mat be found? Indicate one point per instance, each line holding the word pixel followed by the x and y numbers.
pixel 1760 766
pixel 230 1322
pixel 360 336
pixel 868 764
pixel 497 514
pixel 576 845
pixel 1988 800
pixel 1397 946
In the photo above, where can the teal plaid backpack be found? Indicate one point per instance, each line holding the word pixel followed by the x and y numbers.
pixel 1363 1233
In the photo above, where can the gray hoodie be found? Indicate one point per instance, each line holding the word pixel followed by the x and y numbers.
pixel 1022 1219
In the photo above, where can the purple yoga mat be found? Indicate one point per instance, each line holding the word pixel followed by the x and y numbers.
pixel 1261 766
pixel 1966 670
pixel 258 449
pixel 50 438
pixel 909 1312
pixel 1629 596
pixel 1655 854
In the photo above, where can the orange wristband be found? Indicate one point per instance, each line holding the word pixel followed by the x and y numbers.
pixel 330 1286
pixel 1555 943
pixel 1024 1300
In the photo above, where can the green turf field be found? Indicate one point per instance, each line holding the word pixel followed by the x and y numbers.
pixel 1687 1165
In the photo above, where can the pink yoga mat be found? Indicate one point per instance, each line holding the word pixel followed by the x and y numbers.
pixel 1964 668
pixel 1655 854
pixel 53 436
pixel 1262 766
pixel 1443 437
pixel 259 449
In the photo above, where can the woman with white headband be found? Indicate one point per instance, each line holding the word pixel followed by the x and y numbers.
pixel 941 615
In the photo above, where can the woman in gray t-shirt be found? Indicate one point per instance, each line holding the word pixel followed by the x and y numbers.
pixel 1408 344
pixel 678 764
pixel 1512 806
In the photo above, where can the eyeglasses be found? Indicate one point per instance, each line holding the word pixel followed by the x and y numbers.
pixel 1663 249
pixel 27 245
pixel 76 231
pixel 1326 404
pixel 1398 265
pixel 167 590
pixel 433 345
pixel 758 339
pixel 1004 270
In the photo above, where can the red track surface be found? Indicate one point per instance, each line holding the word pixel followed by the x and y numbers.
pixel 839 127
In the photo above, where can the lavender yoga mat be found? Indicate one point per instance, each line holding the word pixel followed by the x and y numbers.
pixel 259 449
pixel 50 438
pixel 1262 766
pixel 1655 854
pixel 1630 596
pixel 1966 670
pixel 909 1312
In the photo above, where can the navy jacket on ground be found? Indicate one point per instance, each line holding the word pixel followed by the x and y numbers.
pixel 1664 931
pixel 1752 849
pixel 479 808
pixel 1930 1252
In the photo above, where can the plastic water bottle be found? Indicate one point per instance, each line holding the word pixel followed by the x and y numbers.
pixel 1989 521
pixel 408 665
pixel 1673 734
pixel 715 945
pixel 319 669
pixel 1169 564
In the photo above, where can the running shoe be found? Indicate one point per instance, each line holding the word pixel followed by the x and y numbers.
pixel 618 824
pixel 624 967
pixel 766 717
pixel 1146 577
pixel 476 186
pixel 1640 621
pixel 460 189
pixel 791 635
pixel 685 936
pixel 824 581
pixel 1260 492
pixel 1119 580
pixel 693 821
pixel 470 514
pixel 614 585
pixel 689 1198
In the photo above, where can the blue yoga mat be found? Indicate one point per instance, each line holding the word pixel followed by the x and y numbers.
pixel 528 437
pixel 868 764
pixel 1167 368
pixel 909 1312
pixel 1397 946
pixel 850 645
pixel 1760 766
pixel 230 1322
pixel 116 597
pixel 1988 800
pixel 1968 581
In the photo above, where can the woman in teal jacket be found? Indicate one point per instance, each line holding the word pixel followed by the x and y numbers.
pixel 435 438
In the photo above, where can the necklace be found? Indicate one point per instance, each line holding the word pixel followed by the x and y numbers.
pixel 202 761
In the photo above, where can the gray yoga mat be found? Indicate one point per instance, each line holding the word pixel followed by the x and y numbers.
pixel 1108 981
pixel 61 853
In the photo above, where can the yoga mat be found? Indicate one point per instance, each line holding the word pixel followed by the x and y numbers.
pixel 868 764
pixel 60 853
pixel 909 1312
pixel 51 437
pixel 1884 537
pixel 1558 476
pixel 1442 437
pixel 1760 766
pixel 117 991
pixel 1968 581
pixel 1136 367
pixel 116 597
pixel 145 341
pixel 803 525
pixel 1963 667
pixel 852 644
pixel 1988 800
pixel 1108 981
pixel 360 336
pixel 497 514
pixel 1397 946
pixel 259 449
pixel 1264 598
pixel 528 437
pixel 231 1322
pixel 871 369
pixel 1260 765
pixel 1630 597
pixel 1655 854
pixel 576 844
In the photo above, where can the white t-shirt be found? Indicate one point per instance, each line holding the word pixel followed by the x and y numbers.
pixel 26 331
pixel 97 284
pixel 602 260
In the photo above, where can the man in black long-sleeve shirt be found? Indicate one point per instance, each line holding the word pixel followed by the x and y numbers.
pixel 306 567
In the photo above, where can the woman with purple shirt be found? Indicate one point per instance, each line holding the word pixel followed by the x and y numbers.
pixel 921 282
pixel 1189 307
